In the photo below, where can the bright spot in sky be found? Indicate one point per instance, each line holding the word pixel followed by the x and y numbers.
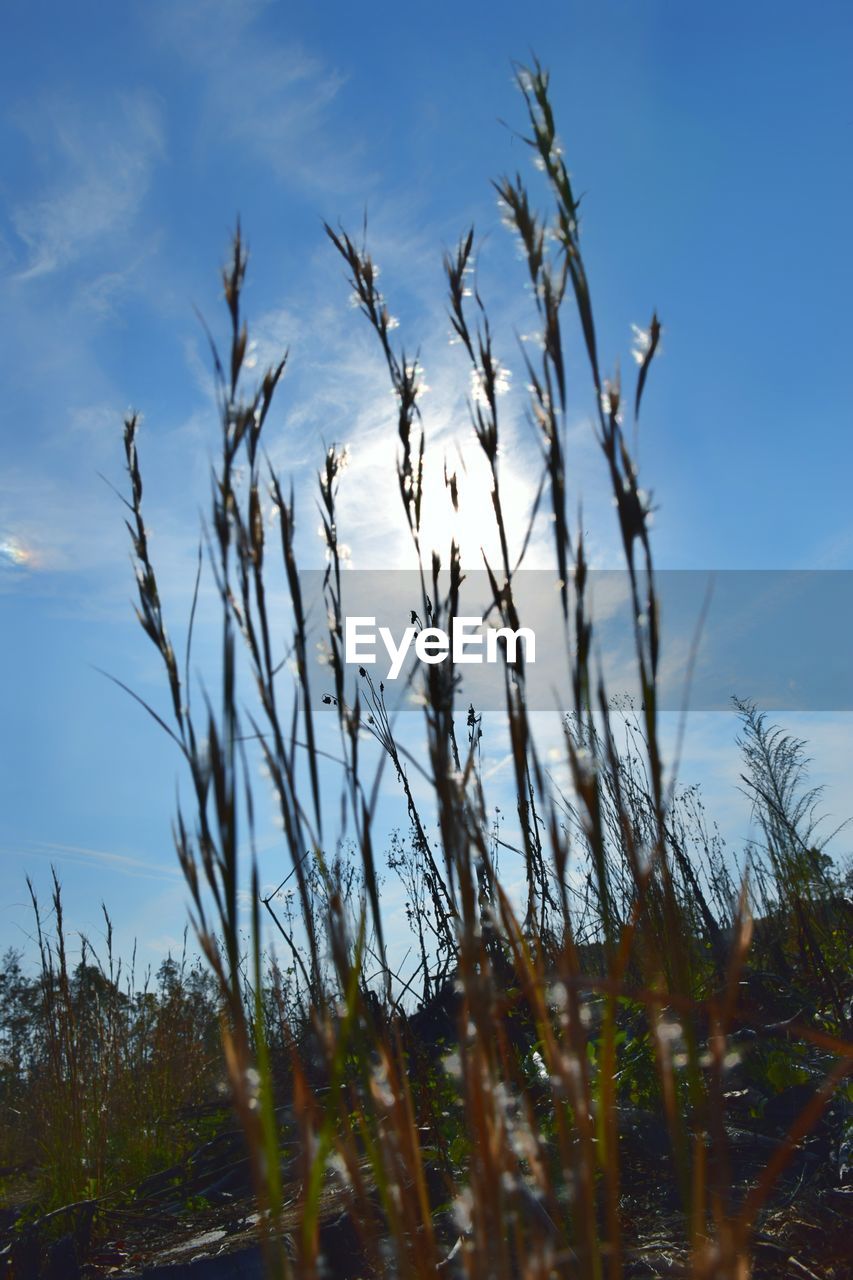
pixel 12 552
pixel 474 525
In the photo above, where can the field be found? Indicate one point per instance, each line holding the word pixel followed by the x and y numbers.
pixel 636 1066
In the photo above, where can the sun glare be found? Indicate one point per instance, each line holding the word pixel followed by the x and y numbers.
pixel 472 524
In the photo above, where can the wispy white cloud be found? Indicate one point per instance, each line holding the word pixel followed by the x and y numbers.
pixel 97 168
pixel 261 93
pixel 136 868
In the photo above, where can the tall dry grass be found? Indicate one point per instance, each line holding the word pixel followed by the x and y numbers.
pixel 508 1157
pixel 102 1068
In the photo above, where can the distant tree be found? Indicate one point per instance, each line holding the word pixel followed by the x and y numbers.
pixel 784 806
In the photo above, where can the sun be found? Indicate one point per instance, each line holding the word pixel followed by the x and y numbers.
pixel 471 522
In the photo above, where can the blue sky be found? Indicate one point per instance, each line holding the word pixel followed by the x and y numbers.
pixel 712 145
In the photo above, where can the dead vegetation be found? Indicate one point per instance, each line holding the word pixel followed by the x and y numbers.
pixel 637 1069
